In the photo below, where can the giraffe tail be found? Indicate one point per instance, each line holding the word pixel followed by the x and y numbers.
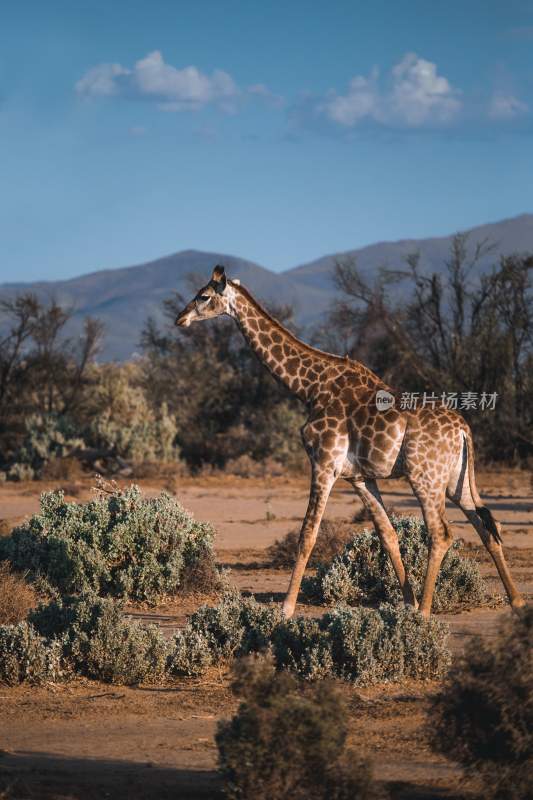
pixel 482 511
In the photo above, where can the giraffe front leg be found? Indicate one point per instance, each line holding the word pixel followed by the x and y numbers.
pixel 321 484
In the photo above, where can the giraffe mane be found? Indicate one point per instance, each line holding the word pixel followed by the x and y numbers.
pixel 285 331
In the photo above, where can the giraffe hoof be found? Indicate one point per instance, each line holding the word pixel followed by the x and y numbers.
pixel 518 603
pixel 287 610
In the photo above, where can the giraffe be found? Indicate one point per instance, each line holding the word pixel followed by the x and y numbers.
pixel 355 431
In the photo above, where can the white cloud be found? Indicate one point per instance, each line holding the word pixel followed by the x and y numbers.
pixel 419 94
pixel 506 106
pixel 151 78
pixel 361 100
pixel 414 95
pixel 102 80
pixel 264 93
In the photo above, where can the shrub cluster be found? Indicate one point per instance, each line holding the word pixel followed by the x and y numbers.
pixel 483 716
pixel 363 571
pixel 118 544
pixel 362 645
pixel 287 740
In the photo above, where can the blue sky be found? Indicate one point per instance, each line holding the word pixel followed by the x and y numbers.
pixel 276 131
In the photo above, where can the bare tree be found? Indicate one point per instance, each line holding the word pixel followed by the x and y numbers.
pixel 456 330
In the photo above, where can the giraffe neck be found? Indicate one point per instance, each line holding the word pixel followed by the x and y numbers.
pixel 297 366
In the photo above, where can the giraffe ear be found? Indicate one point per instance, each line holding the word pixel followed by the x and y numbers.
pixel 219 279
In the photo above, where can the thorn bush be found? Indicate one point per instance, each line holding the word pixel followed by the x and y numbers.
pixel 363 572
pixel 332 537
pixel 118 544
pixel 483 716
pixel 27 656
pixel 287 740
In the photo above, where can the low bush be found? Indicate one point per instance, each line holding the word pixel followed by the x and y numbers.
pixel 99 642
pixel 287 740
pixel 363 572
pixel 483 716
pixel 17 597
pixel 190 653
pixel 118 544
pixel 27 656
pixel 362 645
pixel 333 535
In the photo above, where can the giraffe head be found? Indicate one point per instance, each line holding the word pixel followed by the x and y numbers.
pixel 211 300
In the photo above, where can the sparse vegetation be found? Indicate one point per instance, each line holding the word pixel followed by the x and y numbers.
pixel 363 572
pixel 118 544
pixel 288 740
pixel 17 596
pixel 483 716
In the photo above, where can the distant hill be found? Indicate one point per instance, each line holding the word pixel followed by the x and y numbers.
pixel 508 236
pixel 123 298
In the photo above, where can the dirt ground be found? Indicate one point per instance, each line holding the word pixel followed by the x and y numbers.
pixel 88 740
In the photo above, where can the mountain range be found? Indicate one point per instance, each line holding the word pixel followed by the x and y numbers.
pixel 123 298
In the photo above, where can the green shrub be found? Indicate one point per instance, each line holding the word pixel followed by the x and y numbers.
pixel 99 642
pixel 363 572
pixel 189 653
pixel 123 421
pixel 119 544
pixel 302 645
pixel 236 625
pixel 287 740
pixel 388 644
pixel 483 716
pixel 47 437
pixel 362 645
pixel 26 656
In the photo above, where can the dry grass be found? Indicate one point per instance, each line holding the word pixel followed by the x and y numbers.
pixel 17 597
pixel 363 514
pixel 333 535
pixel 63 469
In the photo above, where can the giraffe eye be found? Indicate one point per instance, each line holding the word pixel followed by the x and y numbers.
pixel 203 298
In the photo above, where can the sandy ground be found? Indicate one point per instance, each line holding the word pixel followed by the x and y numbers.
pixel 90 740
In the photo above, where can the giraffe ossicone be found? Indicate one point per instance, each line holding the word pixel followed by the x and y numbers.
pixel 356 431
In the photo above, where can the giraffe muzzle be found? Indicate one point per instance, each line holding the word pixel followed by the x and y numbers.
pixel 183 320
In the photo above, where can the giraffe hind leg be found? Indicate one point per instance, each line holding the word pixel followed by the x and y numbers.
pixel 371 497
pixel 466 497
pixel 440 540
